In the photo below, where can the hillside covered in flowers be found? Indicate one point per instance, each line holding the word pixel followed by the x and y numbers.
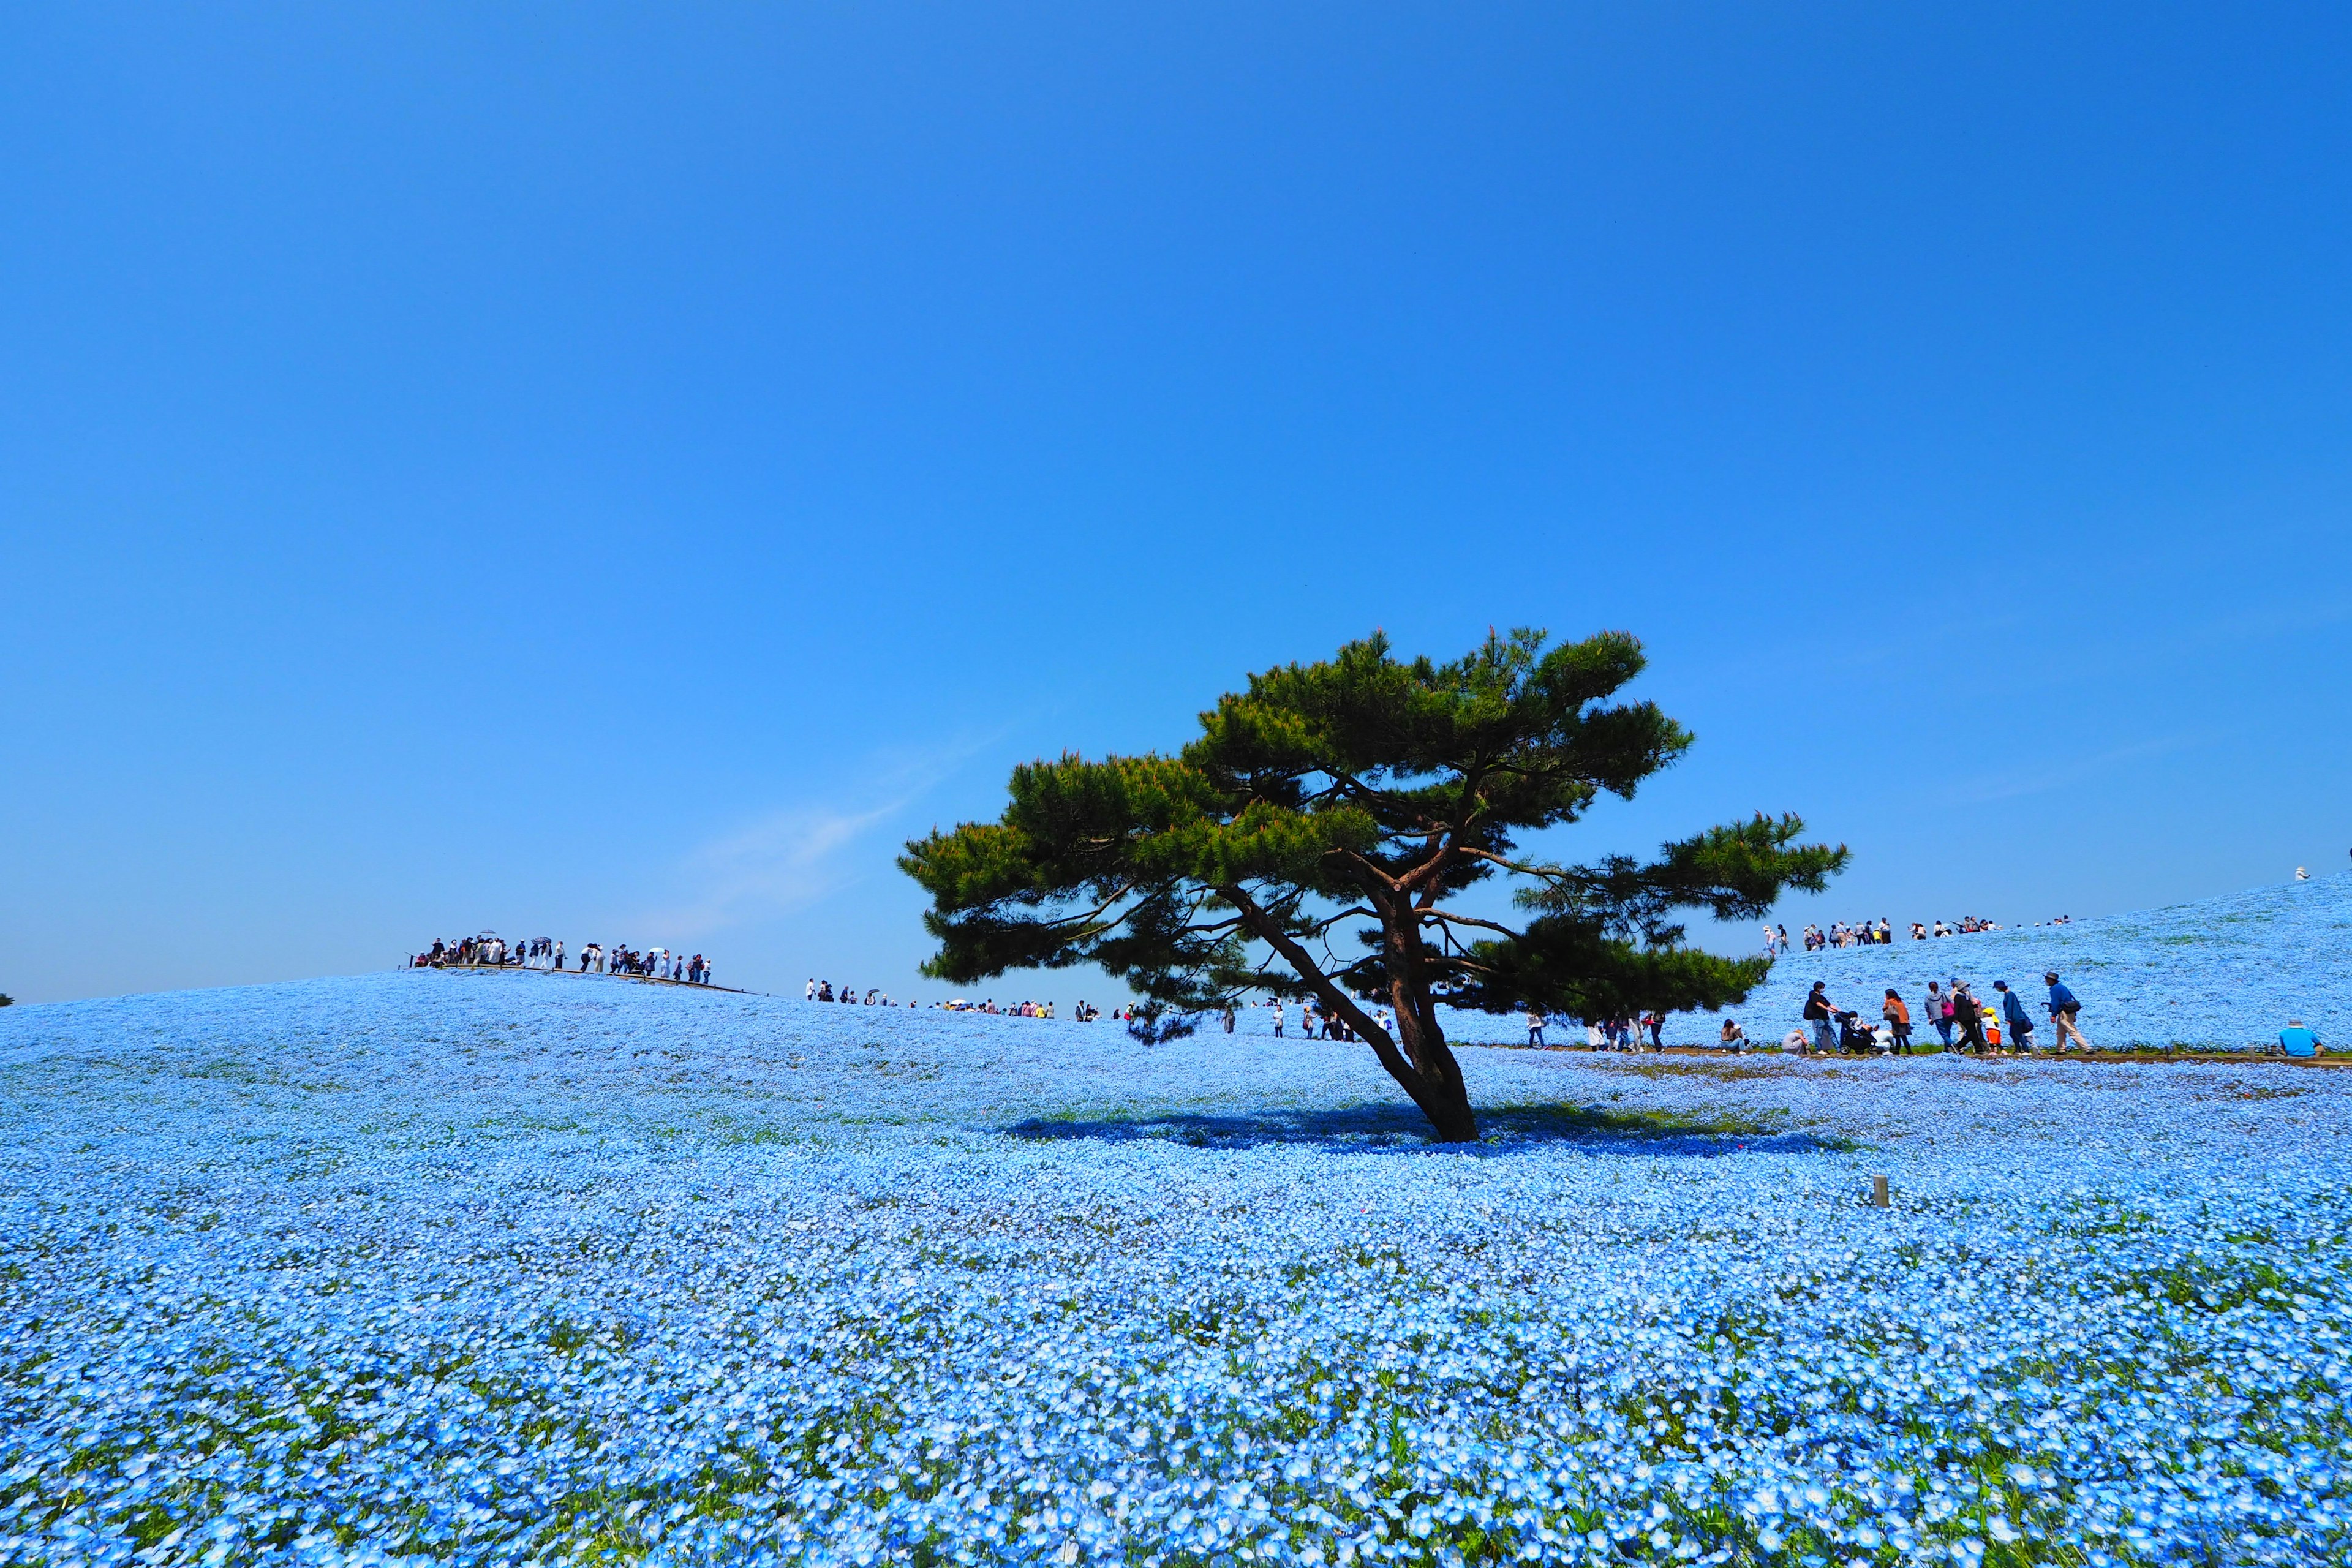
pixel 451 1266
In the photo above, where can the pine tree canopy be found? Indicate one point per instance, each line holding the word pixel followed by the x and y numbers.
pixel 1326 837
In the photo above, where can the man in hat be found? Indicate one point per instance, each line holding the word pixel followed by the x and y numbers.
pixel 2064 1010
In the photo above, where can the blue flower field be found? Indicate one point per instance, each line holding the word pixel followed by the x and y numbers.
pixel 482 1267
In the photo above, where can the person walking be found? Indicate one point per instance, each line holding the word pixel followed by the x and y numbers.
pixel 1535 1025
pixel 1278 1020
pixel 1898 1021
pixel 2064 1012
pixel 2015 1018
pixel 1822 1018
pixel 1938 1009
pixel 1968 1014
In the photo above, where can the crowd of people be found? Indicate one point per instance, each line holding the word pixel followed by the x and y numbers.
pixel 1314 1022
pixel 874 996
pixel 1876 933
pixel 1613 1033
pixel 1999 1025
pixel 824 991
pixel 494 952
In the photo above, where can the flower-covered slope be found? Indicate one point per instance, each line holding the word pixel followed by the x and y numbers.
pixel 2226 971
pixel 487 1268
pixel 2223 973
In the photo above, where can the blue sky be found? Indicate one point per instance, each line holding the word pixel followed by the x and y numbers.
pixel 615 473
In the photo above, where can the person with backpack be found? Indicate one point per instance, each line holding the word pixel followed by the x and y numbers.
pixel 1822 1018
pixel 2015 1018
pixel 1967 1014
pixel 2064 1010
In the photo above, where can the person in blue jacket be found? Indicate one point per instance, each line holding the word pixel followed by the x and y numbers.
pixel 2020 1021
pixel 2297 1039
pixel 2064 1012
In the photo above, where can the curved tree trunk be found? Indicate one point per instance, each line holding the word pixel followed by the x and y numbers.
pixel 1426 1069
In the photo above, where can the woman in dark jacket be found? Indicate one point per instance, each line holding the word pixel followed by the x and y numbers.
pixel 1968 1013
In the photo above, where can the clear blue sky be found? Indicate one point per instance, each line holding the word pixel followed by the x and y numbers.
pixel 615 473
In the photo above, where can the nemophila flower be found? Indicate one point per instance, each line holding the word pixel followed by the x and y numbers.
pixel 499 1268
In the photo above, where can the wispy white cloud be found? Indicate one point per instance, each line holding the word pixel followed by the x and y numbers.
pixel 785 861
pixel 796 856
pixel 2039 780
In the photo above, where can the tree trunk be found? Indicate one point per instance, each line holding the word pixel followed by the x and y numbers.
pixel 1436 1083
pixel 1432 1077
pixel 1424 1068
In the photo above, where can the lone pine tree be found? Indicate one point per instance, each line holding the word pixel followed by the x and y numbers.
pixel 1319 836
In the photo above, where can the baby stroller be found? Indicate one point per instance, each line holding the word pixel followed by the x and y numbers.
pixel 1853 1035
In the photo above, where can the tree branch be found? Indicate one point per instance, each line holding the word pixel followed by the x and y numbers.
pixel 1321 983
pixel 1452 919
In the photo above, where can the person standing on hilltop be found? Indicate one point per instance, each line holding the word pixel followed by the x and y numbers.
pixel 2064 1012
